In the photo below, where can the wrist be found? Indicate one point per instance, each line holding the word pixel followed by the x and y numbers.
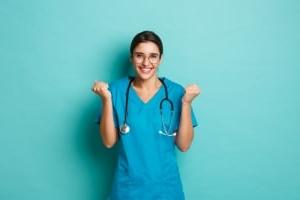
pixel 185 102
pixel 106 100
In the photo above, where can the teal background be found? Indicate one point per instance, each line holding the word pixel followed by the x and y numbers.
pixel 243 54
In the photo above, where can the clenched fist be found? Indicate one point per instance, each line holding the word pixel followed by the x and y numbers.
pixel 101 89
pixel 191 91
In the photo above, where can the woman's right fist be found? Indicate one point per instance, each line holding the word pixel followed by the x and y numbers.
pixel 101 89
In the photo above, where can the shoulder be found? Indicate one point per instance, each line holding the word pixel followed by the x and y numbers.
pixel 174 86
pixel 119 84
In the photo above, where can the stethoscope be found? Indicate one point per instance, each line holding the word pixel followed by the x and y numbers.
pixel 125 128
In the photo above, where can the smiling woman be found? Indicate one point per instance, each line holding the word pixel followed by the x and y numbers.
pixel 146 59
pixel 146 109
pixel 146 51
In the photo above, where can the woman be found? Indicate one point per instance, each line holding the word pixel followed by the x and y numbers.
pixel 147 134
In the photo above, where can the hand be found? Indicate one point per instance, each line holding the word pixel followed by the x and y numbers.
pixel 191 91
pixel 101 89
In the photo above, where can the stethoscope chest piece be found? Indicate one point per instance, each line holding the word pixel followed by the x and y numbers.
pixel 124 128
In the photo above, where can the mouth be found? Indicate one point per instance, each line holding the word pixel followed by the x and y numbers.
pixel 146 70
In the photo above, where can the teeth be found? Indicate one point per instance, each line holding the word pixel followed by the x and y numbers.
pixel 145 69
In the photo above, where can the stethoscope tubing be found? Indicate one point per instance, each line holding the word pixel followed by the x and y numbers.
pixel 124 128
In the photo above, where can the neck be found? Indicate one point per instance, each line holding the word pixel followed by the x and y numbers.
pixel 148 84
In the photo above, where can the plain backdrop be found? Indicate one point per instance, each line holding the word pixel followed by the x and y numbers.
pixel 243 54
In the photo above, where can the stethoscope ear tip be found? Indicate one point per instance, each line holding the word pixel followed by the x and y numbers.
pixel 166 134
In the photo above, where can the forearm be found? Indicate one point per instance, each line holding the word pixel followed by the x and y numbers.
pixel 185 133
pixel 107 128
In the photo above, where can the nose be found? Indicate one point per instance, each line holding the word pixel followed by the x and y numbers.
pixel 145 61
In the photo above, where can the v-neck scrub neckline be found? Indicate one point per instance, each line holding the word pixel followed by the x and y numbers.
pixel 132 90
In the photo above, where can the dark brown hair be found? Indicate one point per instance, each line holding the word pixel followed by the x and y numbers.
pixel 146 36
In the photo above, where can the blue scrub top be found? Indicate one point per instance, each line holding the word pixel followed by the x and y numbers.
pixel 146 167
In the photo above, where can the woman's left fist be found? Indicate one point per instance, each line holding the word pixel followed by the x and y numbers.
pixel 191 91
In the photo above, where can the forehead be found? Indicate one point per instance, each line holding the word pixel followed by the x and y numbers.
pixel 146 47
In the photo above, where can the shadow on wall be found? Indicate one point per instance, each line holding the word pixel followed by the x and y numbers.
pixel 102 160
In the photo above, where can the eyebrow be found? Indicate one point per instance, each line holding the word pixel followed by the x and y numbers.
pixel 149 53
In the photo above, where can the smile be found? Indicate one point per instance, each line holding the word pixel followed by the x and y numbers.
pixel 145 70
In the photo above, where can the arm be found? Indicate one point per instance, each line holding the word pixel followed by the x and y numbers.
pixel 185 133
pixel 107 129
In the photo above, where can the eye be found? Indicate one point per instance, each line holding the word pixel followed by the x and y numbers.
pixel 154 56
pixel 138 55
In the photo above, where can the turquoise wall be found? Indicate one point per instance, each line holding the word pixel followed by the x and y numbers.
pixel 243 54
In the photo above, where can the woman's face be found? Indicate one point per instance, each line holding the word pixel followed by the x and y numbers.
pixel 146 59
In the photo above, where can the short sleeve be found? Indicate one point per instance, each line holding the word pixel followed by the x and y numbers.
pixel 116 122
pixel 193 118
